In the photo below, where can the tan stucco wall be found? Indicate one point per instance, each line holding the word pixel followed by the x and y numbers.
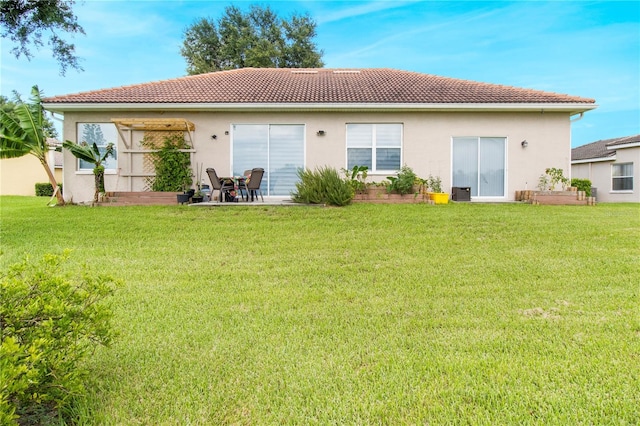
pixel 426 141
pixel 18 176
pixel 599 173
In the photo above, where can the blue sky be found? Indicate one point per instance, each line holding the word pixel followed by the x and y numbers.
pixel 584 48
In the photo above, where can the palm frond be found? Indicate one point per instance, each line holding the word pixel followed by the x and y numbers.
pixel 11 137
pixel 12 148
pixel 36 107
pixel 82 152
pixel 24 125
pixel 96 151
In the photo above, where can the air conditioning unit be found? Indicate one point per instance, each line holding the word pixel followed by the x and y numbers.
pixel 461 193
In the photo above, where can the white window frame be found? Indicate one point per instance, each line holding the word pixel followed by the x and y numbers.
pixel 485 198
pixel 374 146
pixel 614 177
pixel 87 170
pixel 267 182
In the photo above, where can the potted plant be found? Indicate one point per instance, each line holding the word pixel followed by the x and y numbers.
pixel 198 196
pixel 435 190
pixel 183 198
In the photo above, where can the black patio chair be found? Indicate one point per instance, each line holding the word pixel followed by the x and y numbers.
pixel 253 186
pixel 242 185
pixel 217 184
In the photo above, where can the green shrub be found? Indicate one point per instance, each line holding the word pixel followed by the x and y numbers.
pixel 322 186
pixel 48 322
pixel 44 189
pixel 434 183
pixel 403 182
pixel 172 166
pixel 357 177
pixel 551 178
pixel 582 185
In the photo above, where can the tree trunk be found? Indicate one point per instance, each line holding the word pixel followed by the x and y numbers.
pixel 52 180
pixel 98 182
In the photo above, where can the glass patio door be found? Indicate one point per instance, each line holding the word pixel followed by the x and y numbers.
pixel 277 148
pixel 479 163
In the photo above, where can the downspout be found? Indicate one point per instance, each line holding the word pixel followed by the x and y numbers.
pixel 573 120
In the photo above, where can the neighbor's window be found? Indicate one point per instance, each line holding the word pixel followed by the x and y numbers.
pixel 101 134
pixel 622 177
pixel 377 146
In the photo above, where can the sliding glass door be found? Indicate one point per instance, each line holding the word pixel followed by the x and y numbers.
pixel 479 163
pixel 277 148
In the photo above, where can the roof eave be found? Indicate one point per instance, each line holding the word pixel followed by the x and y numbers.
pixel 594 160
pixel 572 108
pixel 622 146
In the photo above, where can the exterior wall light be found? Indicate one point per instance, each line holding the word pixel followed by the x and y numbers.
pixel 524 143
pixel 214 136
pixel 320 133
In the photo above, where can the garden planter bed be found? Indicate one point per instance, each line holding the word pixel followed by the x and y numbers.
pixel 555 197
pixel 381 196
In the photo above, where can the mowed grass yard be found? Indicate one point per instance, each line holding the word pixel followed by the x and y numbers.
pixel 368 314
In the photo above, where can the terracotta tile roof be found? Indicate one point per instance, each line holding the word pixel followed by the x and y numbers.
pixel 322 85
pixel 601 148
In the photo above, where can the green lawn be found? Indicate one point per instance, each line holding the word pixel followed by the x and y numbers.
pixel 368 314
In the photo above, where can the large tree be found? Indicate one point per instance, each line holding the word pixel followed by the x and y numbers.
pixel 24 22
pixel 22 132
pixel 256 38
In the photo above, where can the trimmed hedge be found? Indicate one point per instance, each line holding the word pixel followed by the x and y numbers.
pixel 44 189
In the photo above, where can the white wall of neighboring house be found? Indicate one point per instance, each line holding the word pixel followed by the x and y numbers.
pixel 600 174
pixel 426 145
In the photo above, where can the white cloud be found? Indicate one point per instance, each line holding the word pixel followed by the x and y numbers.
pixel 366 8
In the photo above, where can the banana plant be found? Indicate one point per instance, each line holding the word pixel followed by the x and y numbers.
pixel 22 132
pixel 91 154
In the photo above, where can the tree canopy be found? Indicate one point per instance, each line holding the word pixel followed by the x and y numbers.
pixel 257 38
pixel 24 22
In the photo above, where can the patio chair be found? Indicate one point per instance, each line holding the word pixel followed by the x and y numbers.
pixel 242 185
pixel 254 183
pixel 218 184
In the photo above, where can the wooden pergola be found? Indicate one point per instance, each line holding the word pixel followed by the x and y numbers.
pixel 156 128
pixel 152 125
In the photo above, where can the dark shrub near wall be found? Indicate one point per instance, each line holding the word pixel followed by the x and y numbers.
pixel 322 186
pixel 45 189
pixel 582 185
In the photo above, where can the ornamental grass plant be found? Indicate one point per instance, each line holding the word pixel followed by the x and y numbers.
pixel 368 314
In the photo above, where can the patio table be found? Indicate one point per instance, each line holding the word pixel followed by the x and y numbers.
pixel 237 180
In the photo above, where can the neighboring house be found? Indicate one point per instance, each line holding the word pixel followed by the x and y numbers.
pixel 470 134
pixel 18 176
pixel 612 166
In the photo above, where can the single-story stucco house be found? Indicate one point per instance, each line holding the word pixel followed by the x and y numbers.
pixel 612 166
pixel 492 138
